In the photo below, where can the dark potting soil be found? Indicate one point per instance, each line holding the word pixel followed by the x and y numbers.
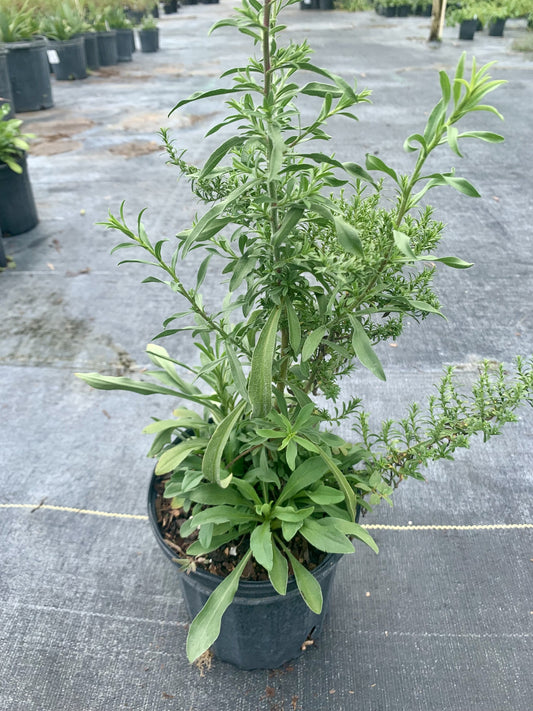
pixel 224 559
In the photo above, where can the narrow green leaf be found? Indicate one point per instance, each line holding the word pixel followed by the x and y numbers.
pixel 260 378
pixel 312 342
pixel 303 476
pixel 350 528
pixel 343 483
pixel 308 585
pixel 445 87
pixel 290 220
pixel 463 186
pixel 261 545
pixel 290 529
pixel 348 237
pixel 173 457
pixel 452 136
pixel 214 495
pixel 487 136
pixel 326 495
pixel 217 155
pixel 215 448
pixel 316 88
pixel 363 349
pixel 357 171
pixel 237 372
pixel 111 382
pixel 401 240
pixel 375 163
pixel 323 535
pixel 295 331
pixel 205 627
pixel 279 572
pixel 203 95
pixel 454 262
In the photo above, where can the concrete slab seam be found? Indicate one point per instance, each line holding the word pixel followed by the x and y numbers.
pixel 370 526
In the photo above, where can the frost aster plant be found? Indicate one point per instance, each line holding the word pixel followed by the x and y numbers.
pixel 316 277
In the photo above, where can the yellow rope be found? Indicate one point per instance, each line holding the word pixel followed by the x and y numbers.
pixel 71 509
pixel 370 526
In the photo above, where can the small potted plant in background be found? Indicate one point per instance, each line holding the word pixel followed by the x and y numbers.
pixel 467 16
pixel 149 34
pixel 106 38
pixel 495 14
pixel 254 492
pixel 64 27
pixel 18 213
pixel 27 61
pixel 118 21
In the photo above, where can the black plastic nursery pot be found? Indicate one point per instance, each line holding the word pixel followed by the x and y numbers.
pixel 6 96
pixel 467 29
pixel 18 212
pixel 496 27
pixel 403 10
pixel 91 50
pixel 389 11
pixel 261 629
pixel 171 7
pixel 124 44
pixel 3 258
pixel 325 4
pixel 149 40
pixel 29 75
pixel 107 48
pixel 72 62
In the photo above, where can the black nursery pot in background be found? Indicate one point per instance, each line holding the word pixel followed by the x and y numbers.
pixel 260 629
pixel 107 48
pixel 467 29
pixel 29 75
pixel 72 59
pixel 6 96
pixel 18 213
pixel 124 45
pixel 149 40
pixel 496 27
pixel 91 50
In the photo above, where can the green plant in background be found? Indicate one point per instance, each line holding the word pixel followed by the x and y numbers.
pixel 13 143
pixel 353 5
pixel 116 18
pixel 17 21
pixel 64 21
pixel 315 281
pixel 148 23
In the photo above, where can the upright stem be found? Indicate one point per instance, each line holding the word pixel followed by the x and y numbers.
pixel 266 47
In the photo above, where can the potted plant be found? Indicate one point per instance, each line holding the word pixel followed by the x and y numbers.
pixel 494 14
pixel 64 27
pixel 106 38
pixel 170 7
pixel 117 21
pixel 27 61
pixel 254 493
pixel 17 207
pixel 149 34
pixel 467 16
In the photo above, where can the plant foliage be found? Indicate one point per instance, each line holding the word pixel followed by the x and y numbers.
pixel 318 273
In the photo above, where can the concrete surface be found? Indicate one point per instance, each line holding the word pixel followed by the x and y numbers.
pixel 91 616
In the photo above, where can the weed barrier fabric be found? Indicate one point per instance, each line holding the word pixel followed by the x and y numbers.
pixel 91 616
